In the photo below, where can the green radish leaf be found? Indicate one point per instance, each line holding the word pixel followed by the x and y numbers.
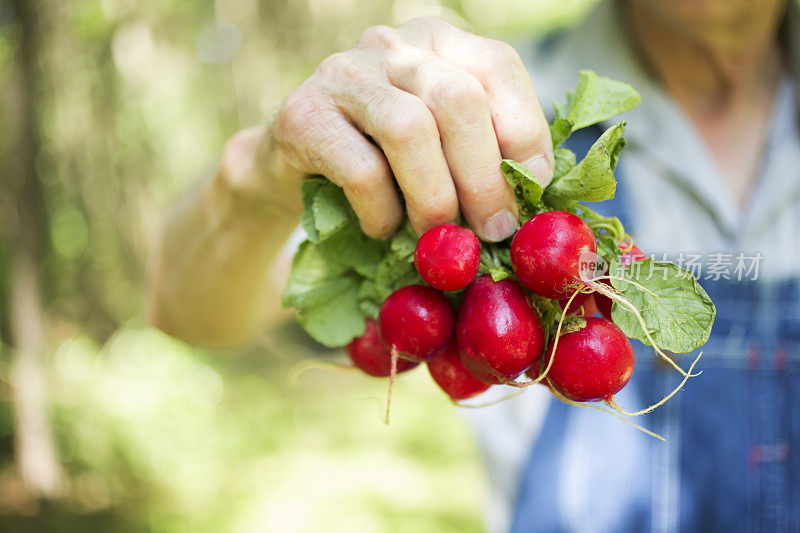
pixel 496 261
pixel 368 299
pixel 549 314
pixel 325 294
pixel 404 242
pixel 345 275
pixel 678 312
pixel 351 247
pixel 595 99
pixel 337 320
pixel 591 180
pixel 330 210
pixel 564 161
pixel 560 129
pixel 503 255
pixel 308 190
pixel 526 187
pixel 395 271
pixel 313 278
pixel 607 249
pixel 499 274
pixel 396 268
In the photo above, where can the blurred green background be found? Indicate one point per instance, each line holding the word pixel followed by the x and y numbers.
pixel 108 109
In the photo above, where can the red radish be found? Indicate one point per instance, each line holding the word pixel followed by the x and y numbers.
pixel 546 251
pixel 447 257
pixel 417 322
pixel 582 305
pixel 535 369
pixel 370 355
pixel 449 372
pixel 593 363
pixel 633 253
pixel 604 303
pixel 499 334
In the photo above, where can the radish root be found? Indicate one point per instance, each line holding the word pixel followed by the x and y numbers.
pixel 628 240
pixel 392 375
pixel 297 370
pixel 590 406
pixel 487 404
pixel 615 406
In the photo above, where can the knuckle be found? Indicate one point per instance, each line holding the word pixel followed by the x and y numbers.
pixel 514 138
pixel 521 138
pixel 338 63
pixel 503 54
pixel 295 115
pixel 359 182
pixel 489 191
pixel 436 210
pixel 242 141
pixel 365 176
pixel 239 151
pixel 429 21
pixel 378 37
pixel 381 224
pixel 460 90
pixel 407 121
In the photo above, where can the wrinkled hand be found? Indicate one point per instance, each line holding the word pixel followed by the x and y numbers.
pixel 429 105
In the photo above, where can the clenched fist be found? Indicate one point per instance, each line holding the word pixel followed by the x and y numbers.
pixel 425 106
pixel 430 106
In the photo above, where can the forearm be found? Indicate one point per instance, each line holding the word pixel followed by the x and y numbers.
pixel 212 276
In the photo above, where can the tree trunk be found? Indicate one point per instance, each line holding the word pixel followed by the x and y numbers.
pixel 39 468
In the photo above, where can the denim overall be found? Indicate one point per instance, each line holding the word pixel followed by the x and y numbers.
pixel 730 462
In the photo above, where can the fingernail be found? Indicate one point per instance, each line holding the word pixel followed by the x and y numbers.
pixel 501 225
pixel 541 169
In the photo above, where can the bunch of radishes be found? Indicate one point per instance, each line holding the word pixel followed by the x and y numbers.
pixel 497 334
pixel 482 314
